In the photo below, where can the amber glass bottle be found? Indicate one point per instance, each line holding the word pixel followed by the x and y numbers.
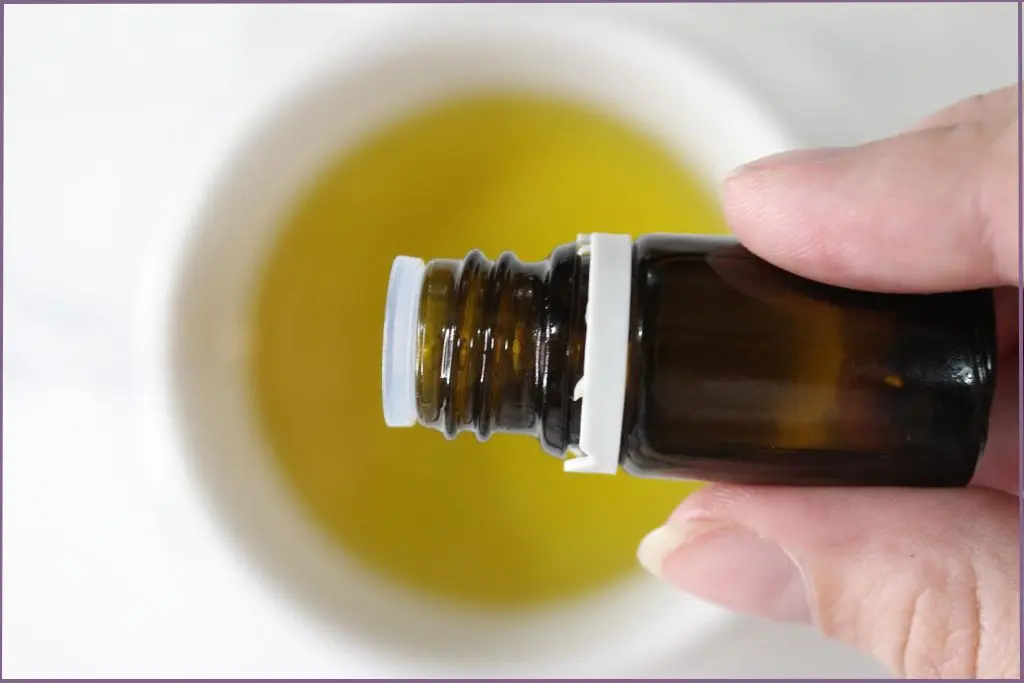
pixel 705 362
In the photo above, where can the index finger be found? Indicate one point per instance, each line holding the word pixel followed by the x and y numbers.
pixel 929 210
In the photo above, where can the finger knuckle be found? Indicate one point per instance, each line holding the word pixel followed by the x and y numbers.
pixel 926 621
pixel 940 635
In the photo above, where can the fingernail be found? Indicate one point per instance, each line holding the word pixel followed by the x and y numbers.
pixel 728 565
pixel 789 158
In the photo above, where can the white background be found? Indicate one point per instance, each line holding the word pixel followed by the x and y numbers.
pixel 107 110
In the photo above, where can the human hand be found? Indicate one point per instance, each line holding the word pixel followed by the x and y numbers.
pixel 927 581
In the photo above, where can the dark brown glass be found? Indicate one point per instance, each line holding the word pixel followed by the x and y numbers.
pixel 501 346
pixel 737 372
pixel 744 373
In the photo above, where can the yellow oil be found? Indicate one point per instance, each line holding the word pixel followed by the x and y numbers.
pixel 497 524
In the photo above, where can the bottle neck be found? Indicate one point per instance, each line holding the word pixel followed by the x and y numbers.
pixel 500 346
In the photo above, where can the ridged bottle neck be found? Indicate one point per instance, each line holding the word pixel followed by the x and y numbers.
pixel 501 346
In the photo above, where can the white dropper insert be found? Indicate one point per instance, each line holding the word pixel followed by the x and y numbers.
pixel 401 330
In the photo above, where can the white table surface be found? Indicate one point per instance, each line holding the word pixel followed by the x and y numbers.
pixel 104 110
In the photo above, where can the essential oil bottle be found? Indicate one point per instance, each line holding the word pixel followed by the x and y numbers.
pixel 685 356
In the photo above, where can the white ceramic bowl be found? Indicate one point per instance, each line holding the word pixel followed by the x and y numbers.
pixel 197 313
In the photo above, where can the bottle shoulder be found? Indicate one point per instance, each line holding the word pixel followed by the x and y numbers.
pixel 662 244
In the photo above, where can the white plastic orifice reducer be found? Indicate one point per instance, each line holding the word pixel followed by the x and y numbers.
pixel 401 326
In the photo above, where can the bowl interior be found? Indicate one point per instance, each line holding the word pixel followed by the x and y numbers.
pixel 660 89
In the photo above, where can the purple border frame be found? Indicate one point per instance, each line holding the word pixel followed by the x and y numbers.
pixel 1020 172
pixel 1020 290
pixel 500 2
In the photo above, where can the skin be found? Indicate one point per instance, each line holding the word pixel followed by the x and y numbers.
pixel 926 581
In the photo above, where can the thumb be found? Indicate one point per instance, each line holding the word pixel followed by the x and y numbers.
pixel 926 581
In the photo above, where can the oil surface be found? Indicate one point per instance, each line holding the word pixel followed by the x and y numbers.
pixel 495 524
